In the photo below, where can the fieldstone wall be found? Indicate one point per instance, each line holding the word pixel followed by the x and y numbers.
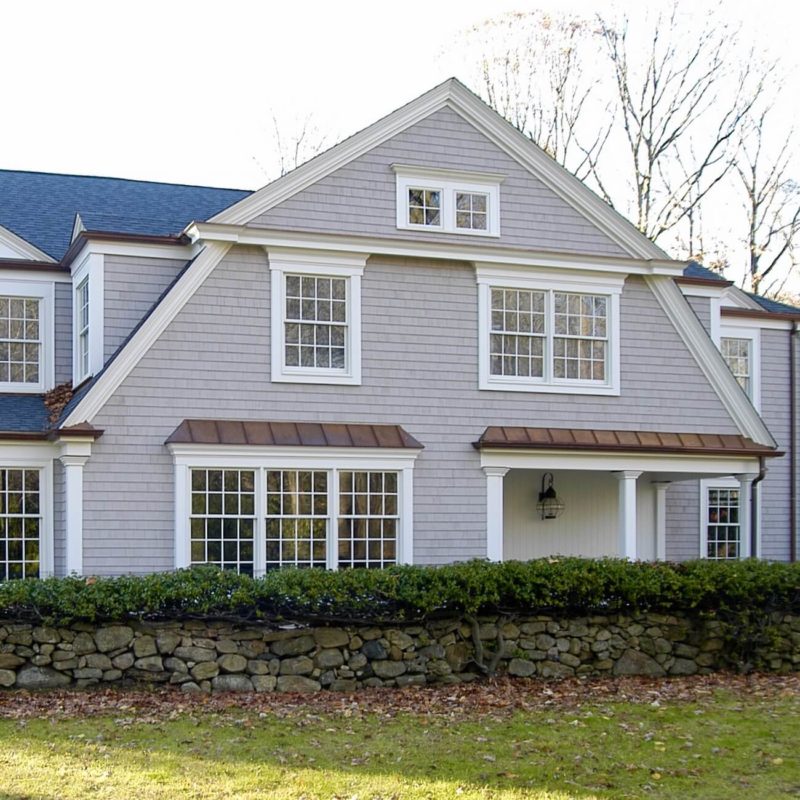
pixel 218 656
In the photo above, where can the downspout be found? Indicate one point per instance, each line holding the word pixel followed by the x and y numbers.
pixel 762 473
pixel 793 443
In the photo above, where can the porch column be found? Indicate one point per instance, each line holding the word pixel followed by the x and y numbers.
pixel 661 519
pixel 627 513
pixel 74 455
pixel 494 512
pixel 745 513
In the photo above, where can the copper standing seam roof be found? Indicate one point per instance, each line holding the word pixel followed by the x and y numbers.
pixel 290 434
pixel 509 438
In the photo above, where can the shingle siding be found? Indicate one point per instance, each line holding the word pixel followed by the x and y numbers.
pixel 213 362
pixel 59 521
pixel 702 308
pixel 63 332
pixel 360 197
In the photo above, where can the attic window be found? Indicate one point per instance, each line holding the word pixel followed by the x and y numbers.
pixel 448 201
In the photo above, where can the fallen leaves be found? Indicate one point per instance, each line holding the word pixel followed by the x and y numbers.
pixel 496 698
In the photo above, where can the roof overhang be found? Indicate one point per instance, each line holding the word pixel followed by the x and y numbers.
pixel 752 313
pixel 106 239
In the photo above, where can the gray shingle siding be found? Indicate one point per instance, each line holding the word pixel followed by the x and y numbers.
pixel 683 521
pixel 130 286
pixel 63 325
pixel 213 361
pixel 360 197
pixel 702 308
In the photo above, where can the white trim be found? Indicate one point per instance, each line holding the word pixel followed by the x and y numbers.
pixel 756 323
pixel 494 512
pixel 753 335
pixel 261 459
pixel 44 291
pixel 693 290
pixel 54 275
pixel 21 248
pixel 178 252
pixel 743 482
pixel 73 455
pixel 660 489
pixel 450 94
pixel 77 228
pixel 349 266
pixel 551 460
pixel 37 455
pixel 448 183
pixel 626 510
pixel 92 269
pixel 148 333
pixel 709 359
pixel 550 280
pixel 734 297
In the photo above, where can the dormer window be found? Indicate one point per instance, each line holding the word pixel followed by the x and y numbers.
pixel 448 201
pixel 83 328
pixel 87 318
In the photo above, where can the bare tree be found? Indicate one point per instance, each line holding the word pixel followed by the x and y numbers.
pixel 292 143
pixel 772 206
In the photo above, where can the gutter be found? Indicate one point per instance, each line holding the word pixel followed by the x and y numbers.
pixel 793 443
pixel 762 473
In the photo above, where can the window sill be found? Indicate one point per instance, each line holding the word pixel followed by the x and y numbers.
pixel 22 388
pixel 322 378
pixel 495 385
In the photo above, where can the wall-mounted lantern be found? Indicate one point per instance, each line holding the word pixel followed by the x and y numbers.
pixel 549 506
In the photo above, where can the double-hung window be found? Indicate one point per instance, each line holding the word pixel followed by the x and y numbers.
pixel 26 345
pixel 88 318
pixel 721 520
pixel 548 334
pixel 316 316
pixel 741 349
pixel 82 331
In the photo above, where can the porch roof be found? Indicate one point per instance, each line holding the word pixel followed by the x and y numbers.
pixel 500 437
pixel 290 434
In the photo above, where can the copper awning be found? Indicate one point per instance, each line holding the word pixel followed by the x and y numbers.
pixel 290 434
pixel 512 438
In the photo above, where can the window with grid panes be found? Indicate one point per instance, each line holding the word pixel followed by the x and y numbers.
pixel 222 518
pixel 315 322
pixel 83 327
pixel 20 340
pixel 472 211
pixel 20 523
pixel 368 519
pixel 723 534
pixel 548 335
pixel 737 355
pixel 425 207
pixel 297 518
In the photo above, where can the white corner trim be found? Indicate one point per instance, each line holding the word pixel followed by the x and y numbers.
pixel 454 95
pixel 457 175
pixel 73 456
pixel 147 334
pixel 77 228
pixel 13 246
pixel 709 359
pixel 734 297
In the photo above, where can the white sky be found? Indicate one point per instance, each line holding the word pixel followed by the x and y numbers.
pixel 185 91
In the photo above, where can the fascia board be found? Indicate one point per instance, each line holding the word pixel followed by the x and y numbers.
pixel 734 297
pixel 23 247
pixel 710 360
pixel 264 237
pixel 119 369
pixel 457 97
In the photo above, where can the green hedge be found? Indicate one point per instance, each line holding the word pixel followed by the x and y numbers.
pixel 564 585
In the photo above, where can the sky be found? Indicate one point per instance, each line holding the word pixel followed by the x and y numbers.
pixel 190 92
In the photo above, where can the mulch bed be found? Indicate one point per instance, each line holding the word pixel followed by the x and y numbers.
pixel 496 697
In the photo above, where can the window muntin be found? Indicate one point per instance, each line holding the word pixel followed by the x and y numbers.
pixel 222 518
pixel 82 304
pixel 425 207
pixel 297 518
pixel 723 531
pixel 20 523
pixel 315 322
pixel 548 335
pixel 472 211
pixel 20 340
pixel 369 518
pixel 738 356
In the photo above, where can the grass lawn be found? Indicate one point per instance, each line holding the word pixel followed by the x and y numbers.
pixel 721 747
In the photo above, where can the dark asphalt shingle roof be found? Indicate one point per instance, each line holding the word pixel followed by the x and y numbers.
pixel 23 413
pixel 695 270
pixel 40 207
pixel 774 306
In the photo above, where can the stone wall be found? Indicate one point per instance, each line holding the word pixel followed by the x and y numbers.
pixel 206 656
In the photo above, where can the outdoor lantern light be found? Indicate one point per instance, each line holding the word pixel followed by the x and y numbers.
pixel 549 505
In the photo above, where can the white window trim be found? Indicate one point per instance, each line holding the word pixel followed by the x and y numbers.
pixel 44 292
pixel 448 183
pixel 489 277
pixel 754 335
pixel 37 456
pixel 91 269
pixel 283 261
pixel 260 459
pixel 721 483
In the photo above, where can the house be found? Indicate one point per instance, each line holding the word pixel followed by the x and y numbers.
pixel 429 343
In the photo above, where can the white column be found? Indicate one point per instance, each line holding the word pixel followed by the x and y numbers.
pixel 494 512
pixel 627 513
pixel 73 519
pixel 661 519
pixel 745 512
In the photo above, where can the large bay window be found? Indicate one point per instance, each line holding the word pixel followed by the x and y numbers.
pixel 26 338
pixel 316 316
pixel 258 512
pixel 542 332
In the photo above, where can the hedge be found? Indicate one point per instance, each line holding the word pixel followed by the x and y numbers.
pixel 558 585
